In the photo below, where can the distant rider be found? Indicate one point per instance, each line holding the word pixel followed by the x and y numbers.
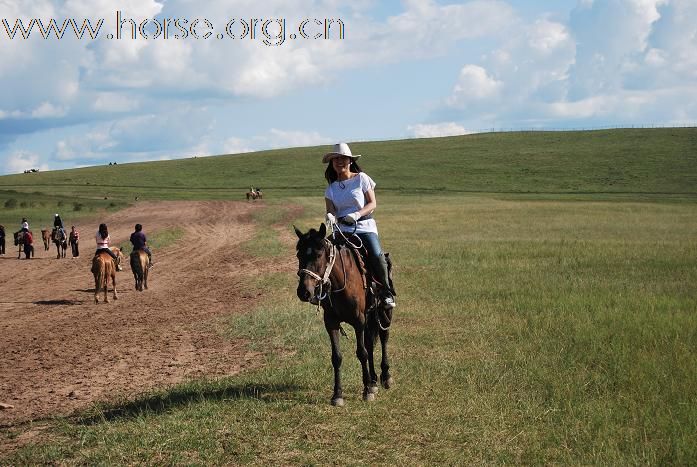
pixel 2 240
pixel 103 241
pixel 74 239
pixel 58 224
pixel 28 244
pixel 140 243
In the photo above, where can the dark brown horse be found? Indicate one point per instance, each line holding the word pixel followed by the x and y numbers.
pixel 60 240
pixel 331 276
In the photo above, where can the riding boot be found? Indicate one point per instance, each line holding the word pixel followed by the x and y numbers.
pixel 379 270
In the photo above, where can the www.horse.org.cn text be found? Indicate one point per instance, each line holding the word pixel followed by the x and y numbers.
pixel 271 32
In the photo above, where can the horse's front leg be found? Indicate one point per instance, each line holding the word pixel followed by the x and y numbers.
pixel 385 377
pixel 370 339
pixel 362 354
pixel 333 331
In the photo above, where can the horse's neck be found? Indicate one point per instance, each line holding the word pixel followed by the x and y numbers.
pixel 344 264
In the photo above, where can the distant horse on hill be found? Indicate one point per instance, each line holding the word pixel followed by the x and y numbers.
pixel 60 239
pixel 103 268
pixel 254 195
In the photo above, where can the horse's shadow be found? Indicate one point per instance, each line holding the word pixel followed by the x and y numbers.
pixel 58 302
pixel 125 290
pixel 178 397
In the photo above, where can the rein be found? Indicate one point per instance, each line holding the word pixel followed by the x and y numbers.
pixel 324 279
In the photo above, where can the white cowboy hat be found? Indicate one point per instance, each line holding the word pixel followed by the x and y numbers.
pixel 340 150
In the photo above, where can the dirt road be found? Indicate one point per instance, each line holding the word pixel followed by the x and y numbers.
pixel 59 352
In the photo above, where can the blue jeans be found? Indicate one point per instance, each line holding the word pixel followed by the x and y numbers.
pixel 371 242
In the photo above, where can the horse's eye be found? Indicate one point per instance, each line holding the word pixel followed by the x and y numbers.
pixel 308 252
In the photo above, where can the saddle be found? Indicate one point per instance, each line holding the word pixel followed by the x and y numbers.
pixel 360 255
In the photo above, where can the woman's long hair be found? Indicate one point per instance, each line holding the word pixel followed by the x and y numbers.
pixel 103 231
pixel 331 175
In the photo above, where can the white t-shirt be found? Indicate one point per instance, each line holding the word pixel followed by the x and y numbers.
pixel 102 242
pixel 351 198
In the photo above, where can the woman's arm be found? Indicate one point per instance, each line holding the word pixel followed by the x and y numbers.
pixel 370 203
pixel 330 206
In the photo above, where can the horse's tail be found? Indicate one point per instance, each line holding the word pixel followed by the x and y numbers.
pixel 136 265
pixel 99 271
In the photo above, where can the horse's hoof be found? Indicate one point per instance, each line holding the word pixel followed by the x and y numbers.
pixel 368 396
pixel 387 383
pixel 338 402
pixel 373 389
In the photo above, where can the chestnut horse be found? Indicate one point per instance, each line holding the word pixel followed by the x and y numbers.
pixel 104 267
pixel 46 237
pixel 61 241
pixel 140 264
pixel 331 276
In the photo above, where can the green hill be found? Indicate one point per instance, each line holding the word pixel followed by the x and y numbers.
pixel 634 161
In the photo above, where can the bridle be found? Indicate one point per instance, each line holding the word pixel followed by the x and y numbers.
pixel 324 278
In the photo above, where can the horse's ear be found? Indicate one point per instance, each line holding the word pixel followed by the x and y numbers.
pixel 322 230
pixel 297 232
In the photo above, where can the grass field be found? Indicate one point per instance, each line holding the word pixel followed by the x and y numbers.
pixel 635 162
pixel 530 328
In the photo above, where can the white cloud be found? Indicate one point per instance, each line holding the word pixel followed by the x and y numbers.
pixel 235 145
pixel 48 110
pixel 474 83
pixel 437 129
pixel 93 145
pixel 19 161
pixel 285 138
pixel 114 102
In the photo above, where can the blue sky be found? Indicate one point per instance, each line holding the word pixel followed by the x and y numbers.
pixel 413 68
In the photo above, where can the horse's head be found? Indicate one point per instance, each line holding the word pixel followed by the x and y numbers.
pixel 119 255
pixel 313 263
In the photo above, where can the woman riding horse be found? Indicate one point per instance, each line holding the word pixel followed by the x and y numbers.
pixel 350 197
pixel 332 276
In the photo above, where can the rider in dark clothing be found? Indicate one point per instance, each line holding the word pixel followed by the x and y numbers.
pixel 139 241
pixel 58 224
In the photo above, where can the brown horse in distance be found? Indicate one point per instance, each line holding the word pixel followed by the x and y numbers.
pixel 60 239
pixel 331 276
pixel 103 268
pixel 46 237
pixel 140 264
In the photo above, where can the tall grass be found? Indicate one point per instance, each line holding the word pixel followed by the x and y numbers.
pixel 40 207
pixel 526 332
